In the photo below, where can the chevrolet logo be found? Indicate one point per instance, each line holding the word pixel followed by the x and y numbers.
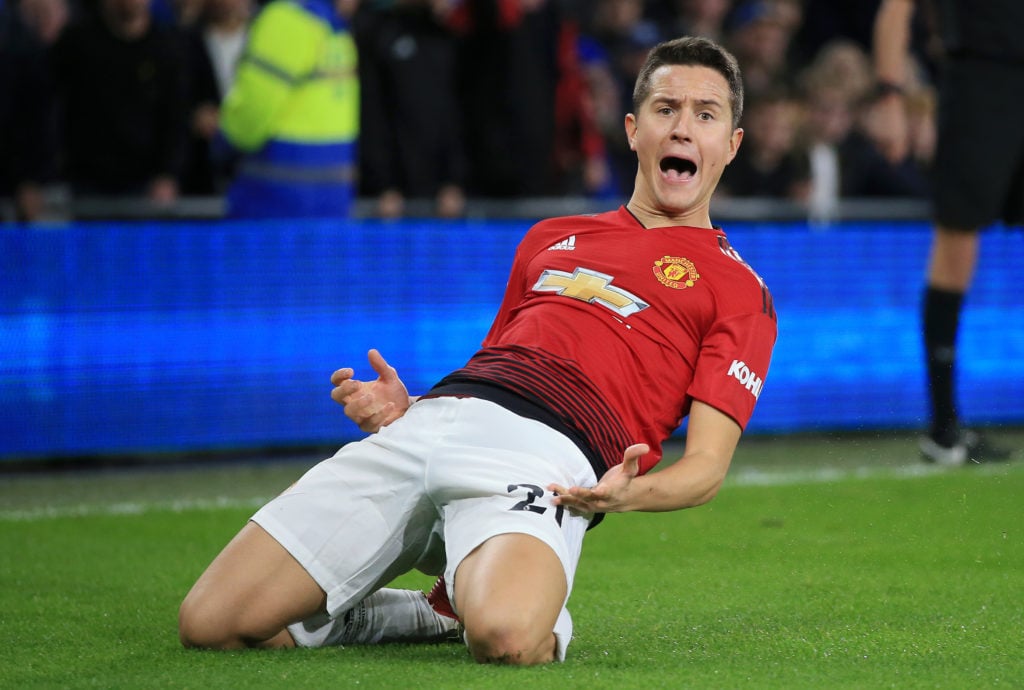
pixel 591 287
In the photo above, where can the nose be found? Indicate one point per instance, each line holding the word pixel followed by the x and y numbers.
pixel 681 128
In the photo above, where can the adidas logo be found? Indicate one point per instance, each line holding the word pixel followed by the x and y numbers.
pixel 566 245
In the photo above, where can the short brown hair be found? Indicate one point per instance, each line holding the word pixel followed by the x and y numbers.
pixel 692 50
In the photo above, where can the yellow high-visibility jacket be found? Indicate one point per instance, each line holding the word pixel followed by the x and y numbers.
pixel 294 112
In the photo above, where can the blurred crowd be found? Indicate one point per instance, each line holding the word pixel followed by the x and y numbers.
pixel 458 98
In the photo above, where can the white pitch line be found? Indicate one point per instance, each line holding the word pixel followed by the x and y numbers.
pixel 129 508
pixel 828 475
pixel 739 477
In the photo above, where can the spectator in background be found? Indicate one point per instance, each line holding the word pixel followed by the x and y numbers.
pixel 828 123
pixel 759 33
pixel 411 144
pixel 604 98
pixel 509 85
pixel 45 19
pixel 623 33
pixel 293 113
pixel 614 46
pixel 225 28
pixel 214 48
pixel 122 91
pixel 978 178
pixel 769 164
pixel 183 14
pixel 848 66
pixel 845 64
pixel 911 145
pixel 579 145
pixel 27 136
pixel 825 21
pixel 843 161
pixel 790 15
pixel 699 18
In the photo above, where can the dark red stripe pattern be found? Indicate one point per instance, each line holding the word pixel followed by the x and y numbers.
pixel 556 384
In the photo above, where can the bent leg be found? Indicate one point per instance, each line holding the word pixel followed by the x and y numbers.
pixel 511 553
pixel 509 593
pixel 248 595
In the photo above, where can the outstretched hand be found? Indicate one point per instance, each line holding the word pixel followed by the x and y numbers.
pixel 372 404
pixel 612 494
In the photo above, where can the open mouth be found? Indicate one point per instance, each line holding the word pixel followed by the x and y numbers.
pixel 678 168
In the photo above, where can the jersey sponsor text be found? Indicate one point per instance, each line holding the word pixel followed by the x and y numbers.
pixel 742 373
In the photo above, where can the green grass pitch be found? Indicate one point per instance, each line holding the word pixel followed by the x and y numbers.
pixel 824 562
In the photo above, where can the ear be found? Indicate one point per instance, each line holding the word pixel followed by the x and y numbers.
pixel 734 143
pixel 631 128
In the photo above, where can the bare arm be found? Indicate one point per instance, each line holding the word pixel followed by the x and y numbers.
pixel 891 50
pixel 694 479
pixel 891 40
pixel 371 404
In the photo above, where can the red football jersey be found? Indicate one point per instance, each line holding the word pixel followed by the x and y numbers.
pixel 618 328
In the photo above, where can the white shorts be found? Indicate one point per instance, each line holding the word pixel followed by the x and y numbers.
pixel 423 493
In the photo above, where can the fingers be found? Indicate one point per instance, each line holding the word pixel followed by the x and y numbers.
pixel 577 495
pixel 380 365
pixel 344 388
pixel 370 404
pixel 578 499
pixel 612 493
pixel 385 371
pixel 562 495
pixel 631 458
pixel 342 374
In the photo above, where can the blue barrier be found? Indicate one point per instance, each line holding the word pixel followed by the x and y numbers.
pixel 155 337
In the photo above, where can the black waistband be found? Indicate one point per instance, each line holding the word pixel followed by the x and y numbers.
pixel 518 405
pixel 524 408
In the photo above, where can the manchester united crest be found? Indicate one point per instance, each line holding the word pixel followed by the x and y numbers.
pixel 676 272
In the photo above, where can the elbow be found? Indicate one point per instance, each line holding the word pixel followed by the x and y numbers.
pixel 703 499
pixel 705 496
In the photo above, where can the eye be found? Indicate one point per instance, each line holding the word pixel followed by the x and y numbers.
pixel 706 116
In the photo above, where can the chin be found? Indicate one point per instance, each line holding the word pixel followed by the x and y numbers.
pixel 678 201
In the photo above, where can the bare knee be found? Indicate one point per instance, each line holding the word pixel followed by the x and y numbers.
pixel 248 595
pixel 210 625
pixel 510 612
pixel 198 630
pixel 201 627
pixel 518 644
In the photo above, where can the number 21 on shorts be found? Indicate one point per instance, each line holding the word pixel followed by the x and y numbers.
pixel 533 492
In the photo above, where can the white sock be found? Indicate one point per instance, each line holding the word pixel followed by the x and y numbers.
pixel 387 615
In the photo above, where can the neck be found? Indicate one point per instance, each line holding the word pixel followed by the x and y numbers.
pixel 654 217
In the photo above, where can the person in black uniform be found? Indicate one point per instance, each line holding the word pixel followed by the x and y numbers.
pixel 978 176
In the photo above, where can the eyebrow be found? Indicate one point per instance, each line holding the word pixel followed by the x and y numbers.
pixel 676 102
